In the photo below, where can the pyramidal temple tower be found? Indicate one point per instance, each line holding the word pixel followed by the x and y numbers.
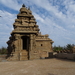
pixel 26 42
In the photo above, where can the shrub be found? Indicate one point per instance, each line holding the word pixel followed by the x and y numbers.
pixel 3 50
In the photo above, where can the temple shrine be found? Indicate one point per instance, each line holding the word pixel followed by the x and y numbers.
pixel 26 42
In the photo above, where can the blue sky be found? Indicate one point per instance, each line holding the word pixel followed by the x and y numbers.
pixel 54 17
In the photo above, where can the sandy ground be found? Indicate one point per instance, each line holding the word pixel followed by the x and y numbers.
pixel 38 67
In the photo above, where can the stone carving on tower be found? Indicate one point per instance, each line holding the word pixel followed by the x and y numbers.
pixel 26 42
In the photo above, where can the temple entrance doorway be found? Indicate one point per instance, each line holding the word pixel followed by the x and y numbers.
pixel 24 55
pixel 25 40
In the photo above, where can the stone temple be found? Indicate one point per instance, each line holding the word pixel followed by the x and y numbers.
pixel 26 42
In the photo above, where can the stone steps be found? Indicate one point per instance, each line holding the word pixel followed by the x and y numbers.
pixel 24 55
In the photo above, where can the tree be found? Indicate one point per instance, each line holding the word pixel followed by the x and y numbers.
pixel 3 50
pixel 66 49
pixel 69 47
pixel 57 49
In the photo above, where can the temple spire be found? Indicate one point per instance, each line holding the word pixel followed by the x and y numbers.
pixel 23 5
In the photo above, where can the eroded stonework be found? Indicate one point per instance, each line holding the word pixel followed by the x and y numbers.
pixel 26 42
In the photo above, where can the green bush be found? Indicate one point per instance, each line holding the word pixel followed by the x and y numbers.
pixel 67 48
pixel 55 48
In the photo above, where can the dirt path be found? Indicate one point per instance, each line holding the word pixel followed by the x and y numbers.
pixel 38 67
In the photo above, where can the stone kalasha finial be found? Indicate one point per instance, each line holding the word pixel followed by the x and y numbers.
pixel 23 5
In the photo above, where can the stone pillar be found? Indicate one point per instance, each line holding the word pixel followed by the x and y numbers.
pixel 21 44
pixel 31 42
pixel 31 46
pixel 17 43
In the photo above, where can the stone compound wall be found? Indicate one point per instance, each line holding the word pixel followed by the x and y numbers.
pixel 70 56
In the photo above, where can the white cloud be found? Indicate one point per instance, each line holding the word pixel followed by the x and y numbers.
pixel 38 17
pixel 13 4
pixel 57 18
pixel 6 26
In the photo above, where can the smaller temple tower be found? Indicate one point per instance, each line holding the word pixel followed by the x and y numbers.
pixel 26 42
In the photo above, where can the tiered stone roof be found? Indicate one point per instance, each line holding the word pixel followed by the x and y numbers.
pixel 25 22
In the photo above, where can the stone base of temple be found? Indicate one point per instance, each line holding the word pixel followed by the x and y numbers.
pixel 23 55
pixel 14 57
pixel 34 56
